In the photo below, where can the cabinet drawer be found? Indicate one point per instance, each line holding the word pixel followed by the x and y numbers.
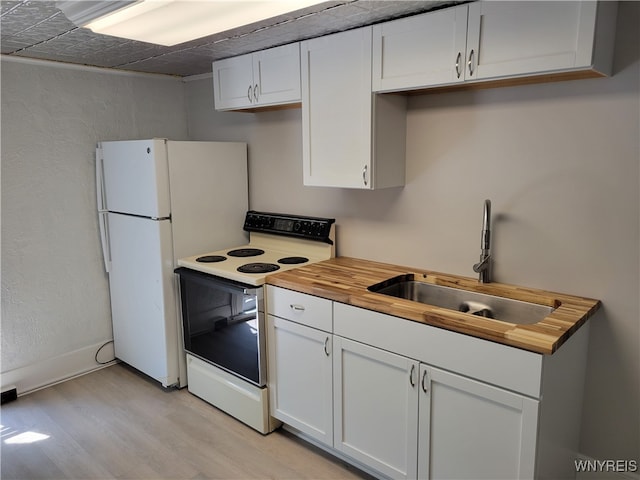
pixel 300 308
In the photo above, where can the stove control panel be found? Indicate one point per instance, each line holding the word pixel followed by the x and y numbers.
pixel 310 228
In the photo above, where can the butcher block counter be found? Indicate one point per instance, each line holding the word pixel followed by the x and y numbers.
pixel 345 280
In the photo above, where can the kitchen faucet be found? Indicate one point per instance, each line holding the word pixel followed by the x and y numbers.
pixel 483 267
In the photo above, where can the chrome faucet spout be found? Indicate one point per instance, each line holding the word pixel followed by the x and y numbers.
pixel 483 267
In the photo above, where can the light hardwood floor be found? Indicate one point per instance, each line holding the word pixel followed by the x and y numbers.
pixel 115 423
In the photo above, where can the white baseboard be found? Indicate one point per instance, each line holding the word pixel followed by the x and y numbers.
pixel 606 470
pixel 58 369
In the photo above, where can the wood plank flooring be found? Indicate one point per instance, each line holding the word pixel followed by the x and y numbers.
pixel 116 423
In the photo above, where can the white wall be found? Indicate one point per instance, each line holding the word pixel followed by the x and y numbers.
pixel 560 163
pixel 55 295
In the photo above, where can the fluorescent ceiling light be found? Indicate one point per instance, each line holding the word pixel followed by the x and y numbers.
pixel 170 22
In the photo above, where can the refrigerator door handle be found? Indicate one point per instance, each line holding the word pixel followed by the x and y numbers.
pixel 102 201
pixel 103 221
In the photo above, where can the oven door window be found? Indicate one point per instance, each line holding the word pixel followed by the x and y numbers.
pixel 223 323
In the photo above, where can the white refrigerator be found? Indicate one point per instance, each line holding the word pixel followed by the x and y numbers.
pixel 160 200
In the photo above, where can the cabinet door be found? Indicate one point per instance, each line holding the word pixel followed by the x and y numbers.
pixel 471 430
pixel 376 407
pixel 276 74
pixel 523 37
pixel 233 85
pixel 300 377
pixel 420 51
pixel 337 109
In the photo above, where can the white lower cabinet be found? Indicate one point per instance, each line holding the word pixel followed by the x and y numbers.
pixel 406 420
pixel 406 400
pixel 471 430
pixel 300 377
pixel 375 408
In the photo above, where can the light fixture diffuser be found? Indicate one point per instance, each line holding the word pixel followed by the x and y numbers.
pixel 170 22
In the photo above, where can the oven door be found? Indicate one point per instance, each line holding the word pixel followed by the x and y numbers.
pixel 223 323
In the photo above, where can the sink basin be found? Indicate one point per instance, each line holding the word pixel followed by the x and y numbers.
pixel 490 306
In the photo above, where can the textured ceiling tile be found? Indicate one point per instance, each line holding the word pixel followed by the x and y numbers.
pixel 10 44
pixel 6 6
pixel 215 52
pixel 30 15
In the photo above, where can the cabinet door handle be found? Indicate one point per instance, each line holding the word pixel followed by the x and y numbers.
pixel 326 344
pixel 470 62
pixel 249 95
pixel 458 71
pixel 411 380
pixel 425 382
pixel 364 175
pixel 255 92
pixel 297 308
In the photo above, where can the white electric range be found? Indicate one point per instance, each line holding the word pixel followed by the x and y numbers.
pixel 223 311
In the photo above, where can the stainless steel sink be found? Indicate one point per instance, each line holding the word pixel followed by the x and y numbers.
pixel 490 306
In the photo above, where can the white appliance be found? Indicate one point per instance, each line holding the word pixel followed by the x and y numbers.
pixel 223 309
pixel 159 200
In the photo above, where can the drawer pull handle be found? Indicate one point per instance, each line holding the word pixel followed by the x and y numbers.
pixel 296 307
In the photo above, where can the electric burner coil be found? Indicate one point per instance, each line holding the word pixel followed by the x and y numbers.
pixel 245 252
pixel 258 267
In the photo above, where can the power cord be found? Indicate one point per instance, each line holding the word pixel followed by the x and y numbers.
pixel 98 353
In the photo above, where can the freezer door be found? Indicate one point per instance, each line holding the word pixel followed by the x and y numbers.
pixel 136 177
pixel 143 298
pixel 209 195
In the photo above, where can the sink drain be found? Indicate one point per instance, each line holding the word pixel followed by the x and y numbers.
pixel 476 308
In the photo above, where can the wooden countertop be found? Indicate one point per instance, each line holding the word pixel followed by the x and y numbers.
pixel 345 280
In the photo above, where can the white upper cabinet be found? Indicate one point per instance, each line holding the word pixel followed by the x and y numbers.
pixel 426 49
pixel 351 138
pixel 489 40
pixel 521 38
pixel 265 78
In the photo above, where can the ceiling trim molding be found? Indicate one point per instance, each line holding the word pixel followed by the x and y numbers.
pixel 75 66
pixel 200 76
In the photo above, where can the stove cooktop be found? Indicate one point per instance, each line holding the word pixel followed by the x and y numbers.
pixel 278 242
pixel 251 270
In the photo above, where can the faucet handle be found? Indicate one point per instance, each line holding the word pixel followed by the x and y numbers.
pixel 482 265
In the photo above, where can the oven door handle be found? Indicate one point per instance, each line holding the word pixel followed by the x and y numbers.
pixel 219 283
